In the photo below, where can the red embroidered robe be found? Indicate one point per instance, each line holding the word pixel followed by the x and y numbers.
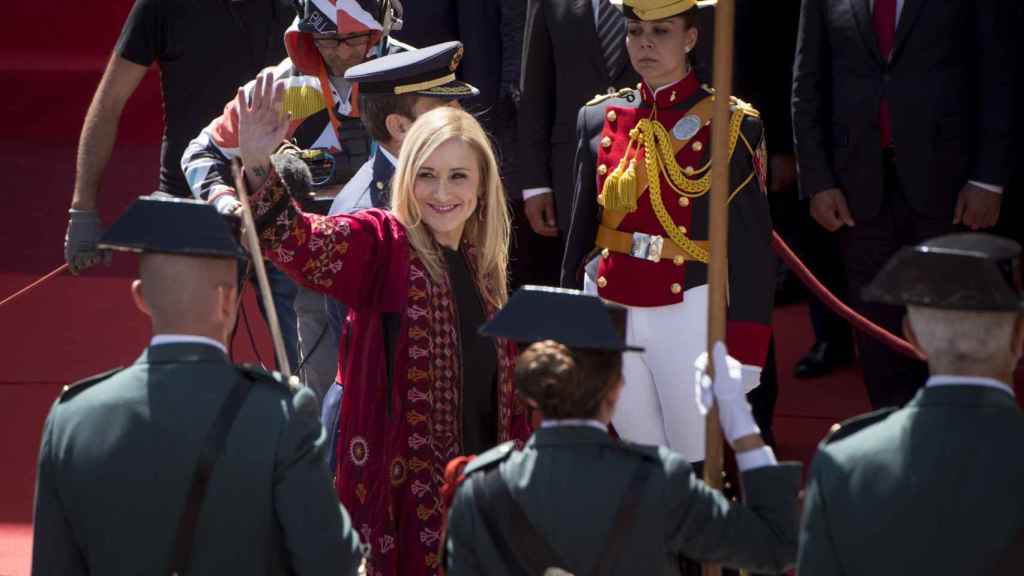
pixel 394 441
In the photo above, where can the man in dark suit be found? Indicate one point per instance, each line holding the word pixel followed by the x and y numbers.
pixel 900 118
pixel 572 50
pixel 183 462
pixel 934 487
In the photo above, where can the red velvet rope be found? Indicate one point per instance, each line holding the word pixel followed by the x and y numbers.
pixel 836 305
pixel 33 285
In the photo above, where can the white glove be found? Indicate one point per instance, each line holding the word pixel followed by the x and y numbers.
pixel 733 409
pixel 227 205
pixel 84 231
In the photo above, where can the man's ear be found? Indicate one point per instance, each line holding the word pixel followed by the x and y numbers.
pixel 397 126
pixel 908 332
pixel 138 296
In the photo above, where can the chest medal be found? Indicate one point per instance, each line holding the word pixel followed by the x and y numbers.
pixel 686 128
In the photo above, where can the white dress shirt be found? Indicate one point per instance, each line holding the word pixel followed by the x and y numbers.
pixel 947 380
pixel 161 339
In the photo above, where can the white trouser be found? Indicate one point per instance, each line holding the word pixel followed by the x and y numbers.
pixel 658 403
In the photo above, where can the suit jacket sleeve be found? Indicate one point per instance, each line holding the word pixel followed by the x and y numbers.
pixel 54 550
pixel 585 211
pixel 317 530
pixel 817 550
pixel 993 100
pixel 759 534
pixel 811 124
pixel 362 259
pixel 751 260
pixel 537 109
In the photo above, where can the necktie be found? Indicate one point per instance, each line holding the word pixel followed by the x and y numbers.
pixel 884 20
pixel 611 32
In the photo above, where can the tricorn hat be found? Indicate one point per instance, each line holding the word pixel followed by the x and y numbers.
pixel 569 317
pixel 171 225
pixel 969 271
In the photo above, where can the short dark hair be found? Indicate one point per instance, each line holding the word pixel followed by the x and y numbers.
pixel 567 382
pixel 375 109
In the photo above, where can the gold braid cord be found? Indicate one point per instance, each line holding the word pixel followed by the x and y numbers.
pixel 620 194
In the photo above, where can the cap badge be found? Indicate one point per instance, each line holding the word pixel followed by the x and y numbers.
pixel 456 58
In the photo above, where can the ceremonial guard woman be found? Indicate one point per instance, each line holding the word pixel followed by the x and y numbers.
pixel 422 387
pixel 640 224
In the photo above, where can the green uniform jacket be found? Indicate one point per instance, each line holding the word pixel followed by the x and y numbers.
pixel 117 460
pixel 936 487
pixel 570 482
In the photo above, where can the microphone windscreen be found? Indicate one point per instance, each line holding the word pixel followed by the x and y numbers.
pixel 293 173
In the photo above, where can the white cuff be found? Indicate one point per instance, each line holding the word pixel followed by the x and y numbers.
pixel 751 377
pixel 531 192
pixel 985 186
pixel 757 458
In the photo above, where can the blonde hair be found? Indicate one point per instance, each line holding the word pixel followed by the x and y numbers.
pixel 487 230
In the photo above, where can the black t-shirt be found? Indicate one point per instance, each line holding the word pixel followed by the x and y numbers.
pixel 206 50
pixel 479 360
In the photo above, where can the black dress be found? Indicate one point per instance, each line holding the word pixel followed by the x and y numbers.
pixel 479 360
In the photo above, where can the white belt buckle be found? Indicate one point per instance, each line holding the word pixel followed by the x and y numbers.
pixel 647 246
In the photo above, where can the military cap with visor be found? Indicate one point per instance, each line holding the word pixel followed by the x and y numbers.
pixel 168 225
pixel 569 317
pixel 428 71
pixel 969 271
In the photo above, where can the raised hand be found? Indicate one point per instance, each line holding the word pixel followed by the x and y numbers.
pixel 262 123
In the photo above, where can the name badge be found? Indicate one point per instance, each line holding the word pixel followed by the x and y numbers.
pixel 686 128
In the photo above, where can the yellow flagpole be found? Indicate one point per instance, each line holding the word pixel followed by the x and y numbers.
pixel 252 243
pixel 718 220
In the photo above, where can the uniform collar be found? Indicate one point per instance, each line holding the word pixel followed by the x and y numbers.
pixel 162 339
pixel 388 155
pixel 946 380
pixel 570 435
pixel 671 94
pixel 182 353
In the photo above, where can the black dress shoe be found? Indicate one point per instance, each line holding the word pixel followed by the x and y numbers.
pixel 822 359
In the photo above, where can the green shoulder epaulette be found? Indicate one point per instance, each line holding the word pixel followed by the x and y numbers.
pixel 259 374
pixel 71 390
pixel 598 98
pixel 856 424
pixel 491 458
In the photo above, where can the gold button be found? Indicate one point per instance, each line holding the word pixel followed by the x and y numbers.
pixel 676 288
pixel 380 185
pixel 682 229
pixel 612 116
pixel 601 282
pixel 605 253
pixel 679 260
pixel 688 170
pixel 606 142
pixel 697 146
pixel 602 169
pixel 684 201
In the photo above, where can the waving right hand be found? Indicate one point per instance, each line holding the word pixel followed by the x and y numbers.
pixel 262 123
